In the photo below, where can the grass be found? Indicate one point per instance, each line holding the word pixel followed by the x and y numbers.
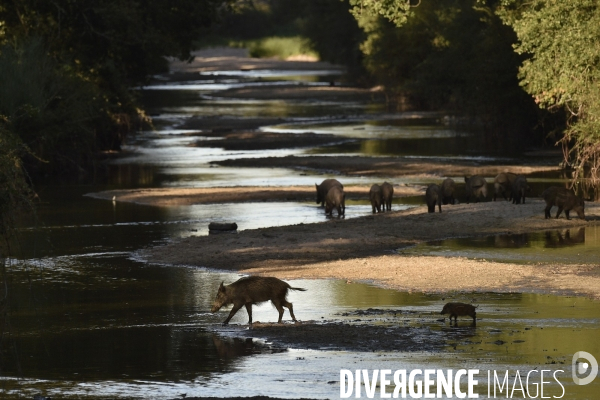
pixel 269 47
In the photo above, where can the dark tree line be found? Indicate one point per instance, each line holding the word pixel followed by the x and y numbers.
pixel 67 68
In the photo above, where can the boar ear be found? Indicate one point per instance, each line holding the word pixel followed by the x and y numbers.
pixel 221 288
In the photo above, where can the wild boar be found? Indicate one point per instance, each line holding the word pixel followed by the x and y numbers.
pixel 324 187
pixel 433 196
pixel 503 184
pixel 376 198
pixel 519 189
pixel 387 190
pixel 335 198
pixel 254 290
pixel 475 186
pixel 447 191
pixel 564 199
pixel 459 310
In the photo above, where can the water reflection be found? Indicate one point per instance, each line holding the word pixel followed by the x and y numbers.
pixel 405 135
pixel 575 245
pixel 556 239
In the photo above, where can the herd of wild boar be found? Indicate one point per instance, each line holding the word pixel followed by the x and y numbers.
pixel 330 193
pixel 509 186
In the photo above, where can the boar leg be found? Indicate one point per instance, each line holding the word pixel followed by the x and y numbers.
pixel 439 206
pixel 235 309
pixel 547 211
pixel 249 309
pixel 279 308
pixel 291 308
pixel 567 214
pixel 559 211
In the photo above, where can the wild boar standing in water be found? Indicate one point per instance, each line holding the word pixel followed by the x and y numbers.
pixel 254 290
pixel 376 198
pixel 387 191
pixel 503 184
pixel 433 196
pixel 475 186
pixel 447 191
pixel 335 198
pixel 519 189
pixel 564 199
pixel 459 310
pixel 324 187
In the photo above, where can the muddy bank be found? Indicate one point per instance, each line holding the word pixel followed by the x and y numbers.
pixel 385 166
pixel 216 195
pixel 345 336
pixel 306 93
pixel 370 249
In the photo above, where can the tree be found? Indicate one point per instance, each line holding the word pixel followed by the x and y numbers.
pixel 334 34
pixel 562 71
pixel 77 61
pixel 457 56
pixel 396 11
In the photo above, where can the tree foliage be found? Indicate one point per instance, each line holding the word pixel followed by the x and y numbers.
pixel 127 39
pixel 454 55
pixel 334 33
pixel 56 113
pixel 67 68
pixel 15 192
pixel 395 11
pixel 562 71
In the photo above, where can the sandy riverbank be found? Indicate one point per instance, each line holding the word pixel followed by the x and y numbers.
pixel 364 249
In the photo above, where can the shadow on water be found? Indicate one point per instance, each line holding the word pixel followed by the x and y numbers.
pixel 573 246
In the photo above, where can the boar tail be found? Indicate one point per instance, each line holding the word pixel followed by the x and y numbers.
pixel 298 288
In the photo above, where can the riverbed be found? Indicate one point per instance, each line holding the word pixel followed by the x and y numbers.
pixel 95 315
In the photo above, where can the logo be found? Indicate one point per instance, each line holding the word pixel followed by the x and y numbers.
pixel 580 368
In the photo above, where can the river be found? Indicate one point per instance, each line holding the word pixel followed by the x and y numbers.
pixel 90 319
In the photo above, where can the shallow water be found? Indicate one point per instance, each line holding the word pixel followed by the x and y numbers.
pixel 567 246
pixel 89 319
pixel 108 325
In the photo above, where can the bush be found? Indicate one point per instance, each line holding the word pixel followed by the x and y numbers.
pixel 59 115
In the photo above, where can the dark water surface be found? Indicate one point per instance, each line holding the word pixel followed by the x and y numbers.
pixel 90 319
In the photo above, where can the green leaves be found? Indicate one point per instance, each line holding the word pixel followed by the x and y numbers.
pixel 562 72
pixel 396 11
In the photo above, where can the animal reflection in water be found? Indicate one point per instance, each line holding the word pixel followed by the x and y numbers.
pixel 237 347
pixel 556 239
pixel 552 239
